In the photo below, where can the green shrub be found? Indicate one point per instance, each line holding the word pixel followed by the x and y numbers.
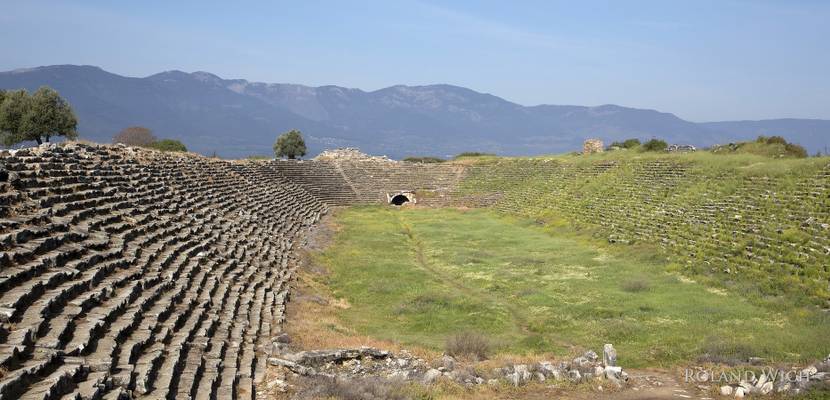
pixel 795 235
pixel 473 154
pixel 655 145
pixel 168 145
pixel 795 150
pixel 776 140
pixel 773 146
pixel 424 160
pixel 631 143
pixel 627 144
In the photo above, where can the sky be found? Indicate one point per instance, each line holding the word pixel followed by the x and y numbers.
pixel 701 60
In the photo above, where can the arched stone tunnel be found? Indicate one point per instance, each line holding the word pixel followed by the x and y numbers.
pixel 399 198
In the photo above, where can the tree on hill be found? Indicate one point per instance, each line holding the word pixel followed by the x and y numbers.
pixel 135 136
pixel 655 145
pixel 627 144
pixel 36 117
pixel 290 144
pixel 14 106
pixel 170 145
pixel 631 143
pixel 795 150
pixel 789 149
pixel 143 137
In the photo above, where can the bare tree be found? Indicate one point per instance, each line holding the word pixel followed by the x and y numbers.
pixel 135 136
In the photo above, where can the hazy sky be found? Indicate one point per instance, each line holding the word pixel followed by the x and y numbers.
pixel 717 60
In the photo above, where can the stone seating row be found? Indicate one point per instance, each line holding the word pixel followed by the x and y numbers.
pixel 136 274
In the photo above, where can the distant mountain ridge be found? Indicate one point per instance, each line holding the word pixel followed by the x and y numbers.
pixel 237 118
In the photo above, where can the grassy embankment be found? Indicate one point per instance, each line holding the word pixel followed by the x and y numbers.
pixel 745 222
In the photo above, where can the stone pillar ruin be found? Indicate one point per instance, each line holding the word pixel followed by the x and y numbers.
pixel 591 146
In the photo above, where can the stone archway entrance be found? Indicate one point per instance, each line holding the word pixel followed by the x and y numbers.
pixel 400 198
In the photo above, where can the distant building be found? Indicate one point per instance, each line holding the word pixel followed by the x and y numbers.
pixel 592 146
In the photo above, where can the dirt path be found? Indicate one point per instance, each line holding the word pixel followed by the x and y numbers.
pixel 643 385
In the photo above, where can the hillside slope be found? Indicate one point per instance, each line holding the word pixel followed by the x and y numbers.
pixel 744 222
pixel 237 118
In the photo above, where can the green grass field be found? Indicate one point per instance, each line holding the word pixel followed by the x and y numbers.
pixel 417 276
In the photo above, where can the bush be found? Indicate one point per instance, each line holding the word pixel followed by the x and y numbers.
pixel 795 150
pixel 168 145
pixel 631 143
pixel 468 344
pixel 627 144
pixel 143 137
pixel 655 145
pixel 135 136
pixel 424 160
pixel 773 140
pixel 474 154
pixel 790 149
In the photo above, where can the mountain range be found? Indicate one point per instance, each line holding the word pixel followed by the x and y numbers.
pixel 238 118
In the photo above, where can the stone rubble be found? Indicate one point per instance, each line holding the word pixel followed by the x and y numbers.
pixel 367 361
pixel 779 381
pixel 347 176
pixel 590 146
pixel 349 154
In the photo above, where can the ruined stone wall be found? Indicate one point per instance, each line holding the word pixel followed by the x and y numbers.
pixel 591 146
pixel 361 181
pixel 769 229
pixel 130 273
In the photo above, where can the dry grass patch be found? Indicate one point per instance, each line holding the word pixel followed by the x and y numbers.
pixel 469 345
pixel 325 329
pixel 636 286
pixel 718 350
